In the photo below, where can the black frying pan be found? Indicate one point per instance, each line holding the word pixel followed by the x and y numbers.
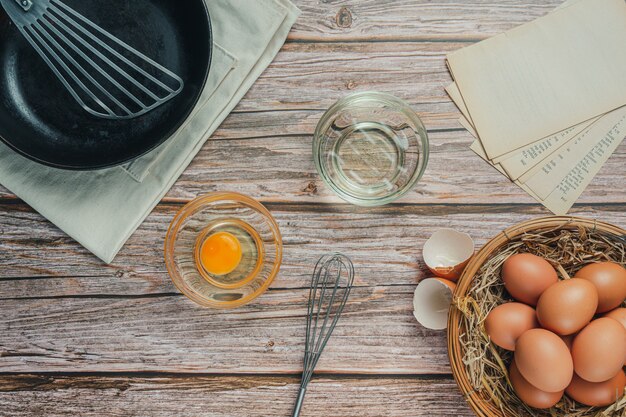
pixel 41 120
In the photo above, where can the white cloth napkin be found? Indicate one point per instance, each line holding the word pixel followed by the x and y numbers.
pixel 102 209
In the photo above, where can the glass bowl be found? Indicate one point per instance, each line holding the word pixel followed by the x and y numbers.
pixel 370 148
pixel 260 244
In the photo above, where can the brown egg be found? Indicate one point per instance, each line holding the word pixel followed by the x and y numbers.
pixel 527 276
pixel 597 394
pixel 506 323
pixel 618 314
pixel 531 395
pixel 610 281
pixel 567 306
pixel 599 350
pixel 544 360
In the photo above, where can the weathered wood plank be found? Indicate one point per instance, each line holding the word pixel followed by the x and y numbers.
pixel 281 169
pixel 139 325
pixel 413 19
pixel 313 76
pixel 386 239
pixel 227 396
pixel 377 334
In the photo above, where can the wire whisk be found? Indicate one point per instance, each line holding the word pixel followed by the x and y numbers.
pixel 331 284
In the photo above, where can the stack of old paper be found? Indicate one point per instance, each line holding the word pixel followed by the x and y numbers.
pixel 547 101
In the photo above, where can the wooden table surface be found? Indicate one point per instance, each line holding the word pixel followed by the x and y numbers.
pixel 80 338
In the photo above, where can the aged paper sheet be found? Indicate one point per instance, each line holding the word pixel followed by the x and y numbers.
pixel 575 176
pixel 521 161
pixel 545 76
pixel 598 140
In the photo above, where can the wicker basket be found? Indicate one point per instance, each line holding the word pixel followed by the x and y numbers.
pixel 479 400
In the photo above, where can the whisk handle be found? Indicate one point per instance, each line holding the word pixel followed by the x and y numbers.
pixel 298 407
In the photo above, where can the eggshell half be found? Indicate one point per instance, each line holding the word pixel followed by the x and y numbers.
pixel 531 395
pixel 610 281
pixel 507 322
pixel 447 253
pixel 544 360
pixel 599 350
pixel 431 302
pixel 597 394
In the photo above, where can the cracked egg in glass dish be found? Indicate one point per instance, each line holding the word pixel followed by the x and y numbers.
pixel 223 250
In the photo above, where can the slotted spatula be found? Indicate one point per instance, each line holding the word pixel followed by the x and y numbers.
pixel 106 76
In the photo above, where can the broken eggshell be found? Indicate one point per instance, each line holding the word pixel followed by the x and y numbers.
pixel 431 302
pixel 447 253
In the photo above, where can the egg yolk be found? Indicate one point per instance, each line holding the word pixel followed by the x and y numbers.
pixel 220 253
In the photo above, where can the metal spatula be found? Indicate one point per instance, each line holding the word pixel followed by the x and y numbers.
pixel 106 76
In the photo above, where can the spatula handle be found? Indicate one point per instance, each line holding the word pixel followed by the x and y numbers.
pixel 25 4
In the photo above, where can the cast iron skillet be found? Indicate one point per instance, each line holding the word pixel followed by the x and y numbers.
pixel 41 120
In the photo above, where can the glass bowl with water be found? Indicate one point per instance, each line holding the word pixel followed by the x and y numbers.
pixel 370 148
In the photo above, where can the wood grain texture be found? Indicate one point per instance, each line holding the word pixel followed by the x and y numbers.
pixel 323 73
pixel 109 322
pixel 377 335
pixel 226 396
pixel 280 169
pixel 81 338
pixel 384 243
pixel 377 20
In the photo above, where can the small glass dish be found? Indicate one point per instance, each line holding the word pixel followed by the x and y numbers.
pixel 370 148
pixel 259 241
